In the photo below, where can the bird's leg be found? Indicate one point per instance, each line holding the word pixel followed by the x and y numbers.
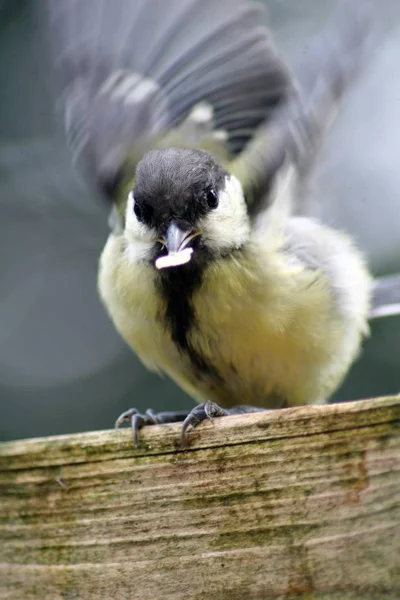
pixel 206 410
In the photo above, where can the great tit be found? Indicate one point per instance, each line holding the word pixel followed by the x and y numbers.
pixel 189 122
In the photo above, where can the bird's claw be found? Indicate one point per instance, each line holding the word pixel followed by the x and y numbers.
pixel 137 421
pixel 202 412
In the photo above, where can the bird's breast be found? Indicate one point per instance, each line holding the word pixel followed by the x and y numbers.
pixel 235 333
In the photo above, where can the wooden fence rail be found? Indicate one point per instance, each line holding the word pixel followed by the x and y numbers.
pixel 301 503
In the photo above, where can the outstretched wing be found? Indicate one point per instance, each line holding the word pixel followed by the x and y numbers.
pixel 295 133
pixel 130 71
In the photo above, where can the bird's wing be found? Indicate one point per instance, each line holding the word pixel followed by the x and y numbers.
pixel 296 131
pixel 130 71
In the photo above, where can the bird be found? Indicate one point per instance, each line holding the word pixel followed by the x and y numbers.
pixel 187 120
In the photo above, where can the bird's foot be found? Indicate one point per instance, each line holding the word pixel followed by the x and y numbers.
pixel 205 411
pixel 150 417
pixel 210 410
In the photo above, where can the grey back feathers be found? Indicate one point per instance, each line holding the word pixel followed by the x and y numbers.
pixel 131 70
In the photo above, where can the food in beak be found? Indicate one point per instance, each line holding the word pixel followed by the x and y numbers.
pixel 176 242
pixel 174 259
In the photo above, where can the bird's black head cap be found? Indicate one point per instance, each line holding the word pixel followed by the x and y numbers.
pixel 180 184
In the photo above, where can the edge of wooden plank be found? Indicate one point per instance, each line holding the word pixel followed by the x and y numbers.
pixel 227 431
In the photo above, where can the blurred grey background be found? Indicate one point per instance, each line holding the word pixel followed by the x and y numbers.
pixel 62 366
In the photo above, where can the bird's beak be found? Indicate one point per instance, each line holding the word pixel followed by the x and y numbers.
pixel 177 242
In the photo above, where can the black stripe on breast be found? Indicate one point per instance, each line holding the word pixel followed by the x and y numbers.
pixel 177 286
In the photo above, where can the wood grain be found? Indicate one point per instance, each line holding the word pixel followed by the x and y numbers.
pixel 298 503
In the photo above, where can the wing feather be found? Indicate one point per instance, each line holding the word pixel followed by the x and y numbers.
pixel 295 133
pixel 130 71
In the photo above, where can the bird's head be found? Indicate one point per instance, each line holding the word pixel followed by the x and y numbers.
pixel 184 207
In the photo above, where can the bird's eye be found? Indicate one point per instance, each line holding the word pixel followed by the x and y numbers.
pixel 212 199
pixel 138 210
pixel 142 210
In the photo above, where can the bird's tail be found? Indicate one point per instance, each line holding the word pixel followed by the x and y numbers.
pixel 386 297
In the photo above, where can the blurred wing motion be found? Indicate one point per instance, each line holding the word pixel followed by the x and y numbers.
pixel 129 72
pixel 386 297
pixel 299 127
pixel 134 75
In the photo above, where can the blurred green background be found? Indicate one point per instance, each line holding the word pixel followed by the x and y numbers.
pixel 62 366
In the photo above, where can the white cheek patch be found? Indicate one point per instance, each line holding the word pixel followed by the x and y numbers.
pixel 228 225
pixel 140 239
pixel 174 259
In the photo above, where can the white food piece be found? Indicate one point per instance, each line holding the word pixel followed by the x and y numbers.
pixel 174 259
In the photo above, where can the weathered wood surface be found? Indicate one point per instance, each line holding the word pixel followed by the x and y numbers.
pixel 301 503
